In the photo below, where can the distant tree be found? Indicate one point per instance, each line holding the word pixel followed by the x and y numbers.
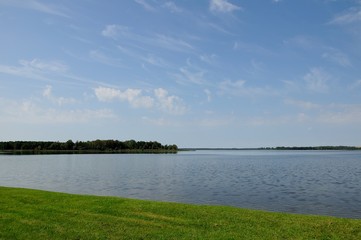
pixel 69 145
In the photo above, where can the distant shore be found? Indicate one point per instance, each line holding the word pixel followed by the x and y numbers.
pixel 280 148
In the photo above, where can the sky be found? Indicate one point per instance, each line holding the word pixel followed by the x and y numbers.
pixel 205 73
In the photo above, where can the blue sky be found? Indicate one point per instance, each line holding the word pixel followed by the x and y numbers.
pixel 207 73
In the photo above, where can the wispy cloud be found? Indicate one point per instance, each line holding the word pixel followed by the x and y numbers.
pixel 337 56
pixel 30 112
pixel 171 6
pixel 239 88
pixel 251 47
pixel 49 66
pixel 172 43
pixel 50 71
pixel 356 84
pixel 148 58
pixel 113 31
pixel 315 46
pixel 36 69
pixel 209 94
pixel 340 114
pixel 101 57
pixel 302 41
pixel 306 105
pixel 223 6
pixel 146 41
pixel 145 5
pixel 38 6
pixel 208 58
pixel 311 113
pixel 190 74
pixel 317 80
pixel 351 15
pixel 154 60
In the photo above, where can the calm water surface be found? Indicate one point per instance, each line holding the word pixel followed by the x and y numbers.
pixel 312 182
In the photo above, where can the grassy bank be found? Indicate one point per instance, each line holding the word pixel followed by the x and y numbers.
pixel 33 214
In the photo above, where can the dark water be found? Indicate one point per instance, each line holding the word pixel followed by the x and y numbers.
pixel 312 182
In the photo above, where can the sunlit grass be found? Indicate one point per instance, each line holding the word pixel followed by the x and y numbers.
pixel 33 214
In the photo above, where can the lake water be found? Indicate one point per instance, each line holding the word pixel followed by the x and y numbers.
pixel 311 182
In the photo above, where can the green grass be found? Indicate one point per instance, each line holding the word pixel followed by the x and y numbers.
pixel 33 214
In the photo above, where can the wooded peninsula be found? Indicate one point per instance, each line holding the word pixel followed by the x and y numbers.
pixel 108 146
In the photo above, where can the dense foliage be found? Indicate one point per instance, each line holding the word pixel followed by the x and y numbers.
pixel 96 145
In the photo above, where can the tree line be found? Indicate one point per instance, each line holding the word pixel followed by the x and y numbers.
pixel 96 145
pixel 316 148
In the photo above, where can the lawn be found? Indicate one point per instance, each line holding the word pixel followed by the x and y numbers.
pixel 34 214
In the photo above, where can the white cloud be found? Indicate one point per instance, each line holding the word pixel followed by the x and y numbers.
pixel 209 95
pixel 171 104
pixel 107 94
pixel 48 94
pixel 317 80
pixel 161 100
pixel 172 7
pixel 210 59
pixel 222 6
pixel 29 112
pixel 47 91
pixel 133 96
pixel 251 47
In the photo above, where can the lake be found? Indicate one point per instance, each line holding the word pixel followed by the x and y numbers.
pixel 308 182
